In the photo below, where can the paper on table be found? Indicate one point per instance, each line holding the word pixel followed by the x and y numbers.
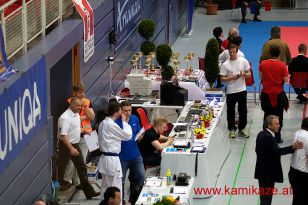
pixel 180 190
pixel 92 141
pixel 139 134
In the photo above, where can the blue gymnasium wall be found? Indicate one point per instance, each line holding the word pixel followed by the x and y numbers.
pixel 28 175
pixel 95 73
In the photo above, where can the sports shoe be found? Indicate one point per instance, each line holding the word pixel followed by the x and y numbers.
pixel 232 134
pixel 243 21
pixel 257 20
pixel 244 133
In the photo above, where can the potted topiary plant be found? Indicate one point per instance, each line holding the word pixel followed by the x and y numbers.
pixel 163 55
pixel 146 29
pixel 211 8
pixel 211 61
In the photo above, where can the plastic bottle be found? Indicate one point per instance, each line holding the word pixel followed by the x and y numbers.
pixel 169 177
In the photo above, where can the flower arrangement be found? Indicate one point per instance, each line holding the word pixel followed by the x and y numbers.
pixel 167 200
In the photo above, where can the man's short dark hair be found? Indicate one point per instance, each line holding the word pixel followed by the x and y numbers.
pixel 231 46
pixel 275 32
pixel 217 31
pixel 125 103
pixel 302 47
pixel 110 193
pixel 305 124
pixel 274 51
pixel 237 40
pixel 268 120
pixel 113 107
pixel 78 87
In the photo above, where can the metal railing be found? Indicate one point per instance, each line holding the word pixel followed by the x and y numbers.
pixel 23 23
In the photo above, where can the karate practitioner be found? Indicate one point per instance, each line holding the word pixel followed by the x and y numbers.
pixel 110 136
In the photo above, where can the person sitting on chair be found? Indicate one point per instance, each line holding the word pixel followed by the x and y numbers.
pixel 256 4
pixel 150 146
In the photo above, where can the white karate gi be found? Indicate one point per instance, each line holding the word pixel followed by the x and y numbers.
pixel 110 136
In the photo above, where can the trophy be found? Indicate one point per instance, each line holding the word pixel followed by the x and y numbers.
pixel 147 63
pixel 153 55
pixel 139 54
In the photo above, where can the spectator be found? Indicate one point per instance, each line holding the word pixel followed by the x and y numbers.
pixel 112 196
pixel 285 55
pixel 218 34
pixel 69 137
pixel 233 72
pixel 254 4
pixel 273 73
pixel 268 166
pixel 231 34
pixel 298 174
pixel 110 136
pixel 149 145
pixel 130 156
pixel 224 56
pixel 300 64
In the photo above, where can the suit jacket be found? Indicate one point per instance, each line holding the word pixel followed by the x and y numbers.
pixel 268 166
pixel 285 55
pixel 298 64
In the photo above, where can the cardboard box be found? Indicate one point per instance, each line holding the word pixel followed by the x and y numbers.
pixel 211 94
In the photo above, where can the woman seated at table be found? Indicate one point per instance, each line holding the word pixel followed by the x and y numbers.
pixel 153 142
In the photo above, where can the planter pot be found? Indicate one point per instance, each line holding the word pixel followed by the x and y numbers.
pixel 211 9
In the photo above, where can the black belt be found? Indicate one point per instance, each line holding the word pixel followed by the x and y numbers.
pixel 111 154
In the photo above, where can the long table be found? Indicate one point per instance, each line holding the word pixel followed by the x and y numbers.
pixel 195 88
pixel 156 188
pixel 205 167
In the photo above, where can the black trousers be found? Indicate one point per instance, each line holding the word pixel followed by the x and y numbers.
pixel 256 6
pixel 241 99
pixel 78 161
pixel 299 183
pixel 300 91
pixel 152 160
pixel 267 195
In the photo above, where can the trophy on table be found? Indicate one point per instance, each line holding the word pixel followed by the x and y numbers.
pixel 134 64
pixel 153 55
pixel 188 58
pixel 147 63
pixel 139 54
pixel 176 62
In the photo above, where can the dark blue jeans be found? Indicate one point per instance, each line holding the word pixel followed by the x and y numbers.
pixel 136 177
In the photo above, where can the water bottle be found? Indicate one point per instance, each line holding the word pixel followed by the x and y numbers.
pixel 169 177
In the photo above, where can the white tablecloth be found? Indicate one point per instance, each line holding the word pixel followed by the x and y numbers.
pixel 195 89
pixel 209 164
pixel 148 194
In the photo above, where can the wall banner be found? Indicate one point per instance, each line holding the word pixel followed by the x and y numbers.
pixel 127 16
pixel 23 112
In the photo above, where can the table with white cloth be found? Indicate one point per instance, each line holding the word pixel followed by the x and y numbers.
pixel 204 167
pixel 195 83
pixel 156 187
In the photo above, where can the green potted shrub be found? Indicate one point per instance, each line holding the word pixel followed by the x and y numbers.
pixel 211 61
pixel 163 55
pixel 146 30
pixel 211 8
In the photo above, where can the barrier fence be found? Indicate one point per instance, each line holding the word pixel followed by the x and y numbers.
pixel 24 20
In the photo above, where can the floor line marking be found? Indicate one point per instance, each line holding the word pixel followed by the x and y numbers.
pixel 239 164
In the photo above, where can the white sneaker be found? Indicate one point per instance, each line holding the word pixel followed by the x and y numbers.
pixel 232 134
pixel 244 133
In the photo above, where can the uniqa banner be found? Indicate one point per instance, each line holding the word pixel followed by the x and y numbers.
pixel 127 17
pixel 6 70
pixel 23 112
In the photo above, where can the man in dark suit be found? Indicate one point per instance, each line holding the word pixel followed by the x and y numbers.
pixel 300 64
pixel 268 167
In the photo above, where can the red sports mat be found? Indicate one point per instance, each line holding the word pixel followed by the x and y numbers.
pixel 294 36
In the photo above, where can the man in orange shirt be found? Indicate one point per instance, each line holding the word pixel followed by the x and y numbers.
pixel 86 116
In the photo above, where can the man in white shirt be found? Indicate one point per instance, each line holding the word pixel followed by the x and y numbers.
pixel 224 56
pixel 233 72
pixel 69 137
pixel 298 174
pixel 110 136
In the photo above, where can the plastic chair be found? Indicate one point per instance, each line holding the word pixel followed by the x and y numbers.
pixel 201 63
pixel 143 118
pixel 251 82
pixel 299 80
